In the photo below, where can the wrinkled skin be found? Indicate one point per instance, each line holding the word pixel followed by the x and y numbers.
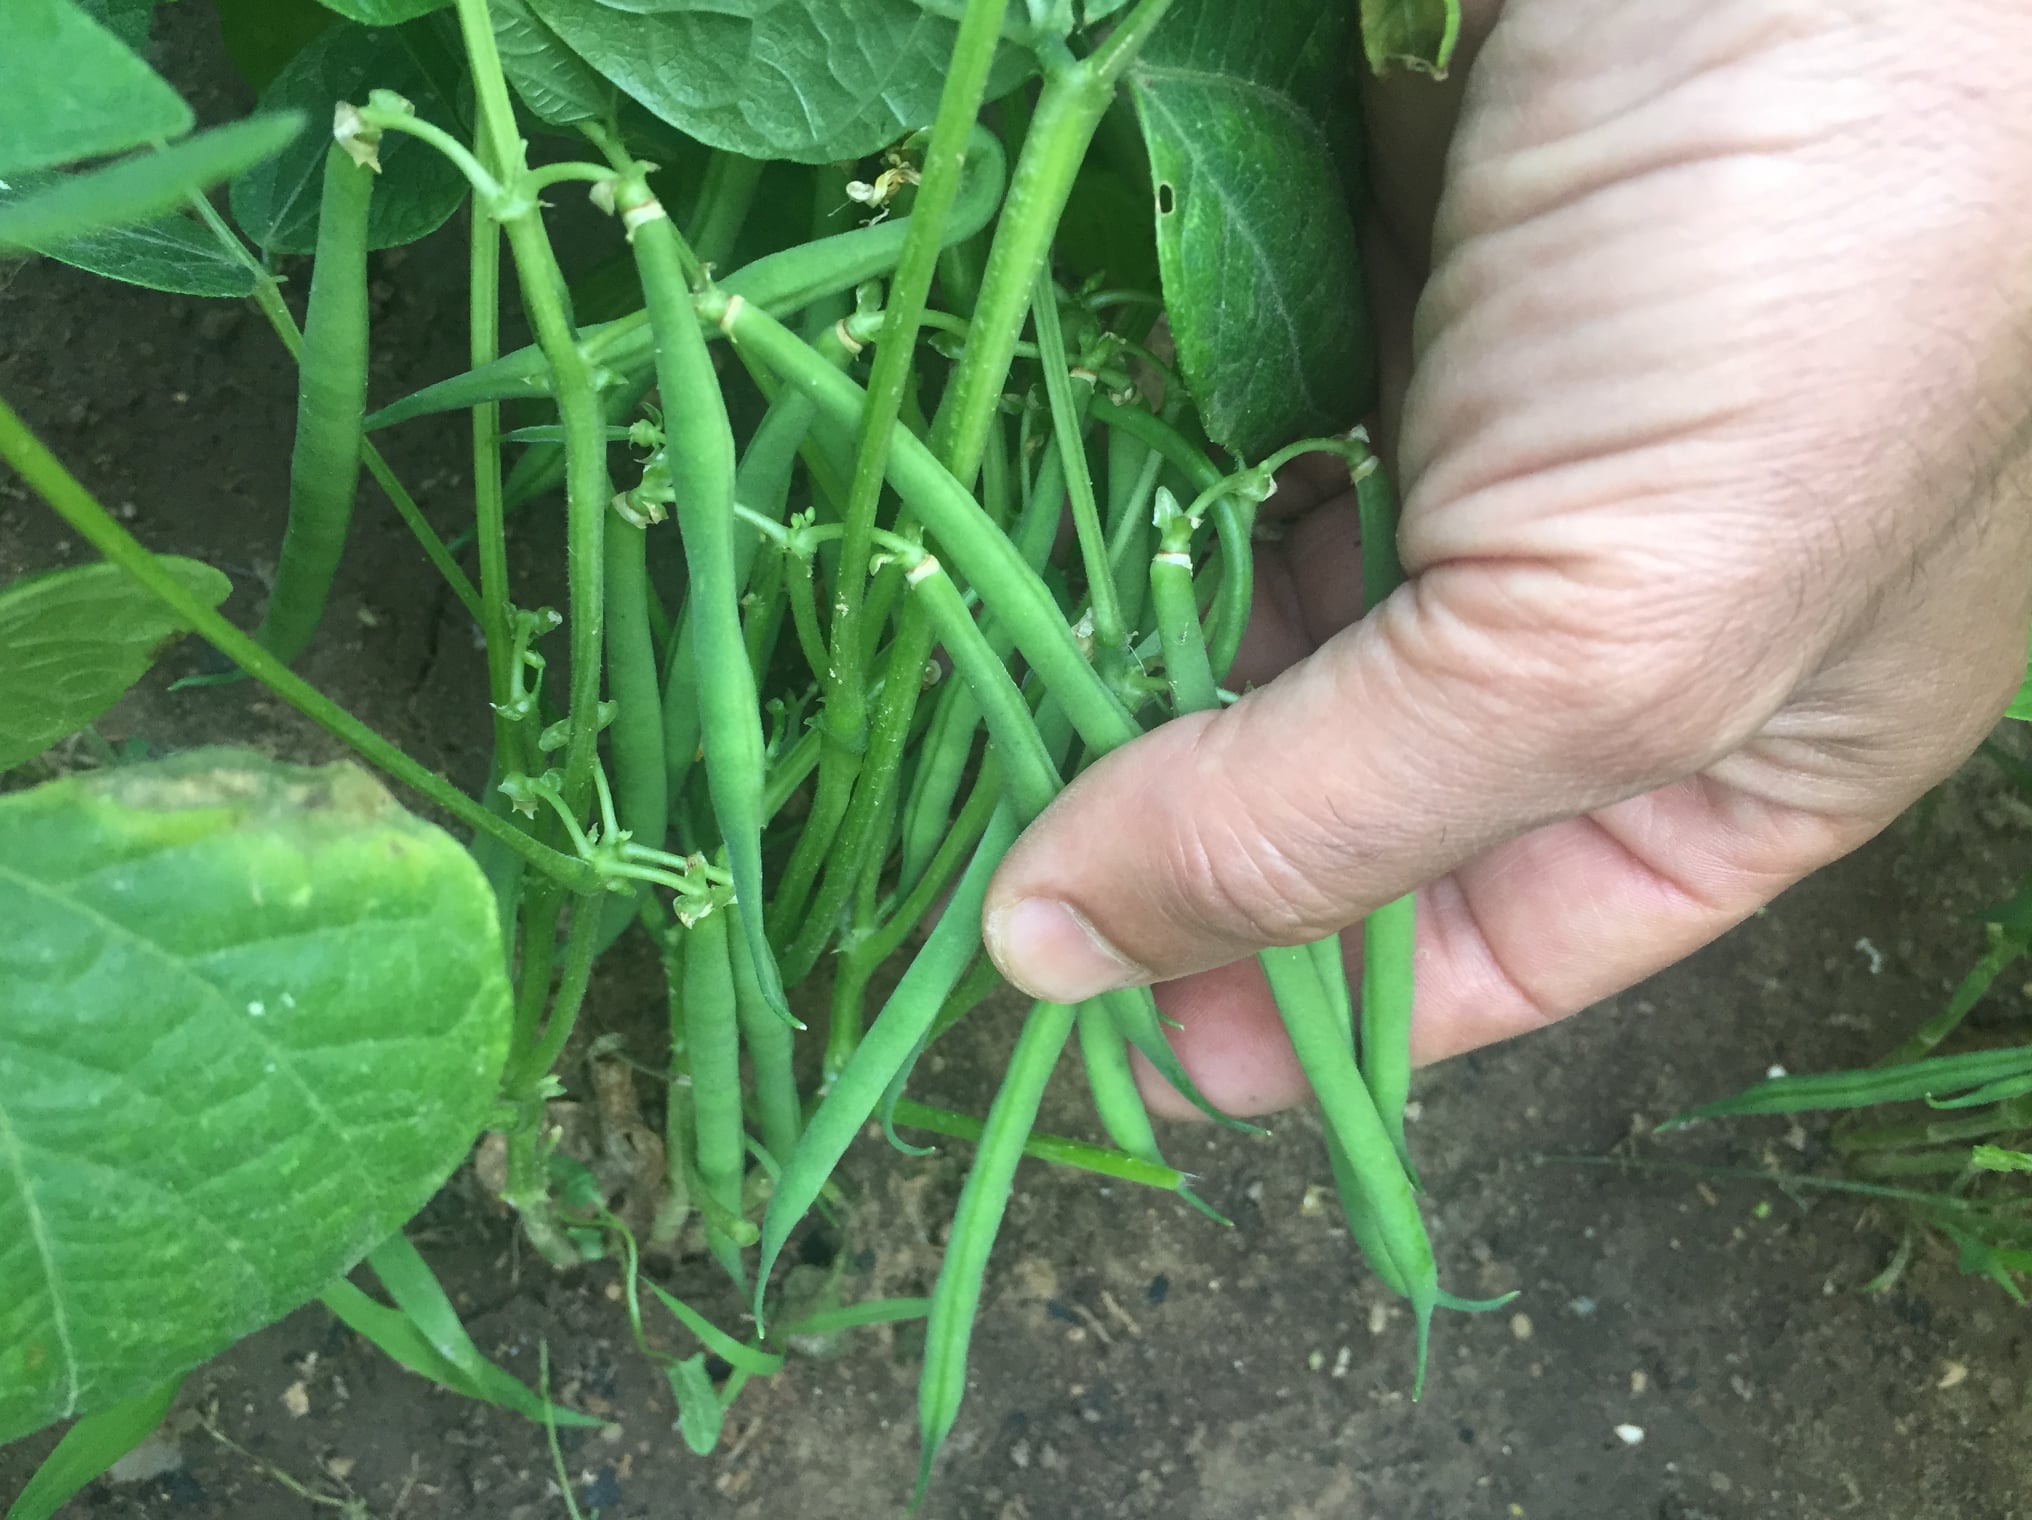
pixel 1714 432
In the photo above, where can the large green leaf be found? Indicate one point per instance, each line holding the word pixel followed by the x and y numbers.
pixel 1410 34
pixel 251 1016
pixel 69 89
pixel 72 641
pixel 276 203
pixel 143 187
pixel 555 83
pixel 175 253
pixel 383 12
pixel 1242 102
pixel 817 81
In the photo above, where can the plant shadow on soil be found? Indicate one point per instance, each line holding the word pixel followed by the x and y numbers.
pixel 1132 1360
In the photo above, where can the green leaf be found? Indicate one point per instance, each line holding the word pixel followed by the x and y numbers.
pixel 817 81
pixel 750 1359
pixel 383 12
pixel 73 641
pixel 1410 34
pixel 69 89
pixel 276 203
pixel 556 84
pixel 142 188
pixel 174 253
pixel 128 20
pixel 424 1334
pixel 1242 102
pixel 700 1415
pixel 251 1016
pixel 90 1448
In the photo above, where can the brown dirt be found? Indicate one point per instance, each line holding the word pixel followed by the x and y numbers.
pixel 1132 1360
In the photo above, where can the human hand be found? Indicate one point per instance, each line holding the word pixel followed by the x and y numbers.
pixel 1714 430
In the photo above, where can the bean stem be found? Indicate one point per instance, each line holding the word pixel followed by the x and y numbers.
pixel 47 477
pixel 1075 97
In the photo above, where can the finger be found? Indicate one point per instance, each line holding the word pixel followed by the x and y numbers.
pixel 1524 935
pixel 1464 712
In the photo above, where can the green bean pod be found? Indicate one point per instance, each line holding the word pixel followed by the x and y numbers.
pixel 1033 780
pixel 331 395
pixel 712 1038
pixel 881 767
pixel 1390 932
pixel 1111 1082
pixel 771 1047
pixel 780 283
pixel 1383 1205
pixel 983 1200
pixel 951 741
pixel 983 553
pixel 1187 670
pixel 699 444
pixel 641 779
pixel 892 1039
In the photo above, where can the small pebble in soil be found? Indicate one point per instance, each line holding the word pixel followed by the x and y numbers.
pixel 1520 1326
pixel 1630 1435
pixel 1159 1290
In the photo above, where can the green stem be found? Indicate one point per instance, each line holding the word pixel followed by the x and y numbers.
pixel 1069 110
pixel 578 402
pixel 47 477
pixel 582 943
pixel 845 676
pixel 1067 417
pixel 489 507
pixel 725 197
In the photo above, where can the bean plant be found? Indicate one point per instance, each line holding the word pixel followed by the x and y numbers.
pixel 956 344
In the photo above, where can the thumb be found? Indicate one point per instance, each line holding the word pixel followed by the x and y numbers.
pixel 1467 710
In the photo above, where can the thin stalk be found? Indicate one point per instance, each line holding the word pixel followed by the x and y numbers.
pixel 47 477
pixel 844 676
pixel 1067 416
pixel 578 401
pixel 483 281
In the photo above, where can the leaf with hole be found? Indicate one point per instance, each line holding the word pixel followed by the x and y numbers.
pixel 276 204
pixel 251 1017
pixel 70 89
pixel 817 81
pixel 73 641
pixel 1243 104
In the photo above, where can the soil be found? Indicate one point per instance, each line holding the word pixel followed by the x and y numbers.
pixel 1685 1346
